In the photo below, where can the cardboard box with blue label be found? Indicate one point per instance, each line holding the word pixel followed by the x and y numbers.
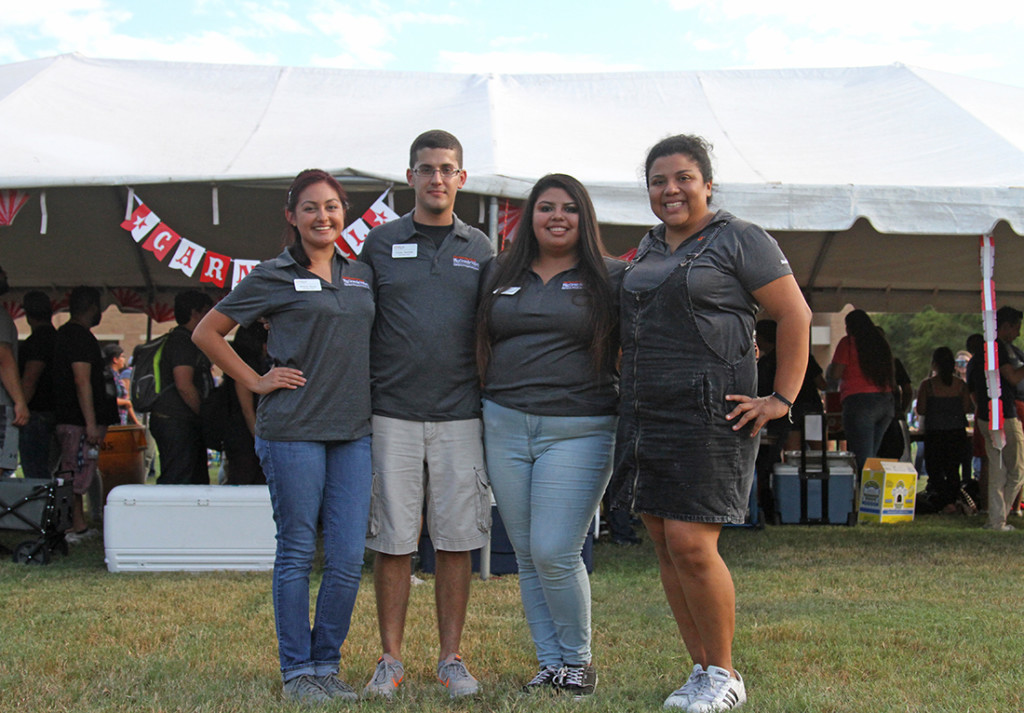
pixel 888 489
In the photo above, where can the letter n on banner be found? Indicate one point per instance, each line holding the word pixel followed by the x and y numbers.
pixel 215 269
pixel 240 269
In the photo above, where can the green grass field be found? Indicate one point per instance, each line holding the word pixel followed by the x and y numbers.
pixel 927 616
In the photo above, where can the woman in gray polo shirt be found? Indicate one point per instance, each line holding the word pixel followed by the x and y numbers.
pixel 546 333
pixel 312 424
pixel 689 410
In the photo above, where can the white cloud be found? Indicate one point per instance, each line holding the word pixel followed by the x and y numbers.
pixel 527 63
pixel 273 18
pixel 361 36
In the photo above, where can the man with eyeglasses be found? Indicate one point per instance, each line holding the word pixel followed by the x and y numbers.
pixel 426 409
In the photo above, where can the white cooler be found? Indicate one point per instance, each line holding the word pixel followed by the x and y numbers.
pixel 191 528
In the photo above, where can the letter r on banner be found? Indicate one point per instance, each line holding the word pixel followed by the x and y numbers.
pixel 215 269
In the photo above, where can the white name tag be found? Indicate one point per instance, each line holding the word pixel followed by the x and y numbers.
pixel 404 250
pixel 308 284
pixel 509 291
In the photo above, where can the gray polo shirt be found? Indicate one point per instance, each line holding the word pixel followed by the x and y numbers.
pixel 423 352
pixel 741 259
pixel 540 348
pixel 325 333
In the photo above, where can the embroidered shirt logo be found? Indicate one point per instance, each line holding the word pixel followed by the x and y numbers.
pixel 458 261
pixel 577 285
pixel 355 282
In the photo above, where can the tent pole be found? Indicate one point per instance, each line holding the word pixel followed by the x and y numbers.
pixel 492 222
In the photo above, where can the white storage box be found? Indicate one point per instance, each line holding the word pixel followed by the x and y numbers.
pixel 192 528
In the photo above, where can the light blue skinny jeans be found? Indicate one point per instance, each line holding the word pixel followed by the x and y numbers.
pixel 548 474
pixel 310 482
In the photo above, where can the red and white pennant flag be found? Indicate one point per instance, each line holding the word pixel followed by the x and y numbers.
pixel 353 237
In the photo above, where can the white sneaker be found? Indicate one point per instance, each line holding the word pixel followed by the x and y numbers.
pixel 683 696
pixel 722 692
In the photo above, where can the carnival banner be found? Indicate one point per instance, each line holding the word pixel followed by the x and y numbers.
pixel 11 201
pixel 160 239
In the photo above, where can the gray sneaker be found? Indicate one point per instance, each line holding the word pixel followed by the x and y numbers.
pixel 545 679
pixel 385 680
pixel 304 689
pixel 454 676
pixel 337 689
pixel 577 681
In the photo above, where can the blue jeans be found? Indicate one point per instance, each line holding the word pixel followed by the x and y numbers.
pixel 313 482
pixel 865 418
pixel 548 474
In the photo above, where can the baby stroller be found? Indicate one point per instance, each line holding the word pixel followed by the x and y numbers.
pixel 38 506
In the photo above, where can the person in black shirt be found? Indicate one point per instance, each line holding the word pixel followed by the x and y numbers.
pixel 35 361
pixel 185 380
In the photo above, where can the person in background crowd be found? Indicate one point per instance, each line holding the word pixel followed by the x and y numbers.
pixel 547 345
pixel 863 365
pixel 689 414
pixel 242 464
pixel 39 453
pixel 13 406
pixel 113 356
pixel 312 424
pixel 943 401
pixel 426 409
pixel 86 400
pixel 1005 450
pixel 186 380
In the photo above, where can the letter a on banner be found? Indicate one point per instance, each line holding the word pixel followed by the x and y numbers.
pixel 187 257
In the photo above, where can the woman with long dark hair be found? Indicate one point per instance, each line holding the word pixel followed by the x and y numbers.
pixel 312 424
pixel 689 410
pixel 943 401
pixel 863 365
pixel 546 344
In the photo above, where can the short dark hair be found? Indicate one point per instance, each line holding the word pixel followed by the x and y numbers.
pixel 1008 315
pixel 435 139
pixel 111 352
pixel 696 148
pixel 37 305
pixel 82 298
pixel 187 301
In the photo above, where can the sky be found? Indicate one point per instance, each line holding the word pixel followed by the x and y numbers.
pixel 980 39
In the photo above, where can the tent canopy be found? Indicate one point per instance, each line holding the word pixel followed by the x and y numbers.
pixel 877 181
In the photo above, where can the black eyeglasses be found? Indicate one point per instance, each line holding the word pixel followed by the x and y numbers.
pixel 428 171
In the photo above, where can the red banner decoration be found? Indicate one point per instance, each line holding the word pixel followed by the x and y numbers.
pixel 240 269
pixel 508 221
pixel 161 240
pixel 187 257
pixel 142 221
pixel 14 308
pixel 215 269
pixel 160 311
pixel 11 201
pixel 128 299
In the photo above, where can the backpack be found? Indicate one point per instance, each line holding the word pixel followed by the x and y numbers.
pixel 145 386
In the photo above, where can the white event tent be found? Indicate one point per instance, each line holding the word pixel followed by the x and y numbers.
pixel 877 181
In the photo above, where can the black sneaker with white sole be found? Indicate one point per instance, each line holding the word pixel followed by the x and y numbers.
pixel 577 681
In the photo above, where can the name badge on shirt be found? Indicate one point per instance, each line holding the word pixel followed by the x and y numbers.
pixel 404 250
pixel 307 284
pixel 508 291
pixel 576 285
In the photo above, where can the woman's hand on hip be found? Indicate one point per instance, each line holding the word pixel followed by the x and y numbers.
pixel 756 411
pixel 280 377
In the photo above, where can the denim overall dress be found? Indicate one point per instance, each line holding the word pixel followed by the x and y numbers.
pixel 676 455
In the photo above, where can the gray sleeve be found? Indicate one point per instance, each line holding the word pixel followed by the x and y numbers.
pixel 250 300
pixel 758 259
